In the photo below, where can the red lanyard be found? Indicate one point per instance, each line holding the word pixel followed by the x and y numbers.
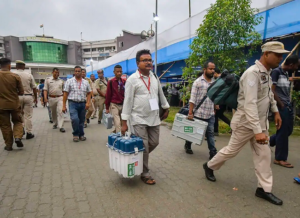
pixel 79 83
pixel 149 83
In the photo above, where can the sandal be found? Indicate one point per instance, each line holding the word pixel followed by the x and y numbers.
pixel 283 164
pixel 82 138
pixel 148 180
pixel 75 139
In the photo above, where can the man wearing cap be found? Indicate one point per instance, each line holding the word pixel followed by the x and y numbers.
pixel 101 85
pixel 250 121
pixel 54 89
pixel 26 101
pixel 10 111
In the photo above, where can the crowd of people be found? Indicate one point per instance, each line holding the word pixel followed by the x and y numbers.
pixel 136 103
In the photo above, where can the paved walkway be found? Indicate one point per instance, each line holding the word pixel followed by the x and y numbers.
pixel 54 177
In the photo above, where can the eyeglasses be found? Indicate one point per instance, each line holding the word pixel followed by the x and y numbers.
pixel 147 60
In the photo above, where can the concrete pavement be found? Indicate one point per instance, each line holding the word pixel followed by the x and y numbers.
pixel 54 177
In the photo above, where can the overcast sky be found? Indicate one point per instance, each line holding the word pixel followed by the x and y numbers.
pixel 96 19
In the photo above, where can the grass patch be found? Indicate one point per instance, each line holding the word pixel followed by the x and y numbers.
pixel 224 128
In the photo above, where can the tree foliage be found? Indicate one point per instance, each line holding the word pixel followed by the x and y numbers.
pixel 227 37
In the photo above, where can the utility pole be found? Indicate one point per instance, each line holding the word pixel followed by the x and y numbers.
pixel 190 10
pixel 156 12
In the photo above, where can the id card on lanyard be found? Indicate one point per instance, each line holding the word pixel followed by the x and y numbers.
pixel 152 101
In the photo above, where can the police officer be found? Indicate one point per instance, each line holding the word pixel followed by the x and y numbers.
pixel 54 89
pixel 95 94
pixel 101 85
pixel 250 121
pixel 10 110
pixel 91 109
pixel 26 101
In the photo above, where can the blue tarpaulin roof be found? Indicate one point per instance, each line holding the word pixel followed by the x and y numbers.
pixel 281 20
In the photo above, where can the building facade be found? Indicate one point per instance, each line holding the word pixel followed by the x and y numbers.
pixel 98 50
pixel 2 51
pixel 128 40
pixel 42 53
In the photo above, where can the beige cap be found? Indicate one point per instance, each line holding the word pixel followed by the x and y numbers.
pixel 20 62
pixel 276 47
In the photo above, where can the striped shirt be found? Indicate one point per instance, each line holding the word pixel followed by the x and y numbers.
pixel 199 90
pixel 280 78
pixel 77 90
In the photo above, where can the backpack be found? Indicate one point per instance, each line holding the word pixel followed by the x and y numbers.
pixel 224 91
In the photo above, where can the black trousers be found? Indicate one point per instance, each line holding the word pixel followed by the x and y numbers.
pixel 220 115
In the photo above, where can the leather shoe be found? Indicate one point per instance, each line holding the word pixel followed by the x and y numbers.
pixel 62 130
pixel 212 154
pixel 29 136
pixel 55 127
pixel 99 121
pixel 8 148
pixel 88 120
pixel 188 149
pixel 50 121
pixel 209 173
pixel 19 143
pixel 268 196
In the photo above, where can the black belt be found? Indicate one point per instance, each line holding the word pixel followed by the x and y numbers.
pixel 77 101
pixel 27 95
pixel 117 104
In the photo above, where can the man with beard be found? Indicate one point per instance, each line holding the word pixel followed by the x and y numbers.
pixel 282 88
pixel 250 121
pixel 206 111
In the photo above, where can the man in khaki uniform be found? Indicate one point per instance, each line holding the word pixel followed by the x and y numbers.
pixel 10 111
pixel 101 85
pixel 26 101
pixel 95 94
pixel 250 121
pixel 54 86
pixel 91 106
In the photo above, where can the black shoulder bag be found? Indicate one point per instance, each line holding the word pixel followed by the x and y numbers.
pixel 185 110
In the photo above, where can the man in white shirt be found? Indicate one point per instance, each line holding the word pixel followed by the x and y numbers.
pixel 142 96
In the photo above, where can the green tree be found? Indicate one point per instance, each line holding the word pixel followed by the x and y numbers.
pixel 227 36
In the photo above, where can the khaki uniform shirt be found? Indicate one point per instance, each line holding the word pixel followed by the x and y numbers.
pixel 54 86
pixel 255 98
pixel 10 86
pixel 89 80
pixel 27 81
pixel 102 85
pixel 94 88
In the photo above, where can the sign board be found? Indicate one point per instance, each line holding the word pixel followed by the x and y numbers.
pixel 103 54
pixel 42 39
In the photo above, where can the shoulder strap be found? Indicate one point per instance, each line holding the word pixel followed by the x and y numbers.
pixel 201 102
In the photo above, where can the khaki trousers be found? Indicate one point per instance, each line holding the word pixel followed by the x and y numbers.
pixel 261 155
pixel 150 136
pixel 101 107
pixel 26 103
pixel 116 111
pixel 55 105
pixel 89 111
pixel 8 133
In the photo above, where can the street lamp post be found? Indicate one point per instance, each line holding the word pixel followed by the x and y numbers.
pixel 91 61
pixel 156 20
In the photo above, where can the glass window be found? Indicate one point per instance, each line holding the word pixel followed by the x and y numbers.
pixel 86 50
pixel 94 49
pixel 1 45
pixel 1 55
pixel 108 48
pixel 101 49
pixel 45 52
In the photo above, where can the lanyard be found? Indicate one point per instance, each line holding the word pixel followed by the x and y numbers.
pixel 79 84
pixel 149 83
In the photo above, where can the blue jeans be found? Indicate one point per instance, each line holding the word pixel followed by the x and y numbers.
pixel 281 138
pixel 77 115
pixel 209 134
